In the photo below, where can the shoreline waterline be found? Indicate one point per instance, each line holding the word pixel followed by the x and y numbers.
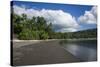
pixel 15 40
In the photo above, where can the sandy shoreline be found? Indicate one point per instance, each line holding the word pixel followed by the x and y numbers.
pixel 53 40
pixel 33 52
pixel 28 42
pixel 40 53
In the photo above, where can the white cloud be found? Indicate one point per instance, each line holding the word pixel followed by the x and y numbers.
pixel 62 21
pixel 89 17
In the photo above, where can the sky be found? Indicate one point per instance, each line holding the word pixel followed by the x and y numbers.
pixel 64 17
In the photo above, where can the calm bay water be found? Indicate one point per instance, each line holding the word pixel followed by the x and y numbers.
pixel 85 50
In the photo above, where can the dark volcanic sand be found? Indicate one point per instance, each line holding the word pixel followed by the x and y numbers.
pixel 47 52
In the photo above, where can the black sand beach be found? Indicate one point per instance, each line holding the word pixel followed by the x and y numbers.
pixel 44 52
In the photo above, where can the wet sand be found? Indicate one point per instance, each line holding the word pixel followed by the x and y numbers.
pixel 43 52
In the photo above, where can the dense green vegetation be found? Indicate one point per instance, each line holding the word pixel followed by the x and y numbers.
pixel 37 28
pixel 90 33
